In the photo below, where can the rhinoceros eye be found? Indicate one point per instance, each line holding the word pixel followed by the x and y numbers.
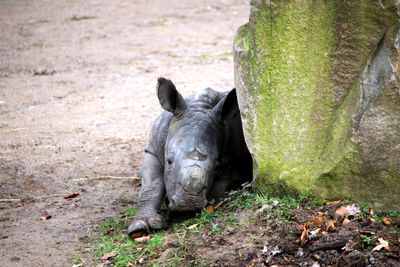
pixel 170 159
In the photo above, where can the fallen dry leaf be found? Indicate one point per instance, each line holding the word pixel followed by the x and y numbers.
pixel 45 217
pixel 382 244
pixel 386 220
pixel 193 226
pixel 371 212
pixel 21 204
pixel 109 255
pixel 340 212
pixel 141 260
pixel 210 208
pixel 303 237
pixel 137 234
pixel 73 195
pixel 345 221
pixel 333 202
pixel 370 219
pixel 315 222
pixel 141 239
pixel 330 224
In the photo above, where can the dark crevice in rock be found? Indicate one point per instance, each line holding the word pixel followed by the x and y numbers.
pixel 377 73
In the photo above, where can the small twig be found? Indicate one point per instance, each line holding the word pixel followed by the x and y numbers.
pixel 107 177
pixel 34 198
pixel 10 200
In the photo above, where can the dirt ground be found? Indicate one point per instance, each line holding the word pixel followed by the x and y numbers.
pixel 77 98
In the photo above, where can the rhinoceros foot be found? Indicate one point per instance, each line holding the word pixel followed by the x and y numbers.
pixel 155 222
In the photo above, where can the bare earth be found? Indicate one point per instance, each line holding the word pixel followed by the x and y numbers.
pixel 77 98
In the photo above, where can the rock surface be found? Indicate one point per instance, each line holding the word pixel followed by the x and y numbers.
pixel 320 98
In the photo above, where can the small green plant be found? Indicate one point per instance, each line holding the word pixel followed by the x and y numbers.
pixel 203 56
pixel 75 258
pixel 37 44
pixel 367 240
pixel 129 212
pixel 159 23
pixel 215 228
pixel 172 55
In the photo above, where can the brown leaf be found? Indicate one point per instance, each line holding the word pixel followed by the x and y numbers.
pixel 73 195
pixel 340 212
pixel 21 204
pixel 109 255
pixel 386 220
pixel 330 203
pixel 315 222
pixel 330 224
pixel 137 234
pixel 345 221
pixel 303 237
pixel 370 220
pixel 141 239
pixel 141 260
pixel 45 217
pixel 210 208
pixel 371 212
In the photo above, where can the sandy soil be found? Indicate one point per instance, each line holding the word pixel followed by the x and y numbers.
pixel 77 98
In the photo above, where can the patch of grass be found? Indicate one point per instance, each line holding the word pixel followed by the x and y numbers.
pixel 37 44
pixel 159 23
pixel 203 56
pixel 172 55
pixel 132 63
pixel 113 238
pixel 215 228
pixel 75 258
pixel 367 241
pixel 129 212
pixel 185 231
pixel 207 55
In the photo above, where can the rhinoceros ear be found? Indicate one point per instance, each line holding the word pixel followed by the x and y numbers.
pixel 170 99
pixel 228 107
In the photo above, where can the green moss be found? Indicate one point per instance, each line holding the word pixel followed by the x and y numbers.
pixel 292 45
pixel 302 62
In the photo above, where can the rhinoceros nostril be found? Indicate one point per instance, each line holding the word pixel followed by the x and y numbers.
pixel 171 204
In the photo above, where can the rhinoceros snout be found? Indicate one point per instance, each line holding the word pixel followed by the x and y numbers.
pixel 177 204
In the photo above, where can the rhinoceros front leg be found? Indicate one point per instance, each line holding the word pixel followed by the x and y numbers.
pixel 151 197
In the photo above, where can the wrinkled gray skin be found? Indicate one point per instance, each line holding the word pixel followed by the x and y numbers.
pixel 196 153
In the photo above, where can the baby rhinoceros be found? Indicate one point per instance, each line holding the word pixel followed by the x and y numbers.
pixel 196 153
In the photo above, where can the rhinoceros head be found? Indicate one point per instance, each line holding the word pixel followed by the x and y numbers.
pixel 193 147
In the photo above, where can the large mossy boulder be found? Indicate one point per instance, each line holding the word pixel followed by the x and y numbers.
pixel 320 97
